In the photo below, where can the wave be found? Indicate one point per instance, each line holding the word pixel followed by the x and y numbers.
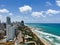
pixel 53 39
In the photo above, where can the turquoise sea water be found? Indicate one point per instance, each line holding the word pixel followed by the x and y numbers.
pixel 48 31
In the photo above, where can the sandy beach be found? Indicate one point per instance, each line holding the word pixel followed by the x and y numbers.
pixel 42 40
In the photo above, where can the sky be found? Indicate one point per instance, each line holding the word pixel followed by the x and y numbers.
pixel 31 11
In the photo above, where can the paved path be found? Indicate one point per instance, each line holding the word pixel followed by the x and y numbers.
pixel 19 39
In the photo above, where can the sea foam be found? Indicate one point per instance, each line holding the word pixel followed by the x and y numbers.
pixel 55 40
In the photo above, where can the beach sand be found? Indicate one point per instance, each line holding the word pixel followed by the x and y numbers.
pixel 41 39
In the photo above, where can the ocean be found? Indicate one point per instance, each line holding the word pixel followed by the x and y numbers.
pixel 48 31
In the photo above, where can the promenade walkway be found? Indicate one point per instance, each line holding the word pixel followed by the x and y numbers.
pixel 19 39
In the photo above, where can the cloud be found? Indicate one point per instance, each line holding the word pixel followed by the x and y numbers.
pixel 37 14
pixel 58 2
pixel 2 18
pixel 25 8
pixel 45 13
pixel 51 11
pixel 10 13
pixel 4 11
pixel 48 3
pixel 2 5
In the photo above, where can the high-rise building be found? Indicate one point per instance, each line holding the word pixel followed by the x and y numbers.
pixel 2 26
pixel 10 30
pixel 8 20
pixel 0 21
pixel 22 23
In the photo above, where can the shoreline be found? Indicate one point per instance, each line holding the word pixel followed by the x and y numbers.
pixel 45 42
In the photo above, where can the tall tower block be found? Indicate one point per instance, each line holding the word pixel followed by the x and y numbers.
pixel 8 21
